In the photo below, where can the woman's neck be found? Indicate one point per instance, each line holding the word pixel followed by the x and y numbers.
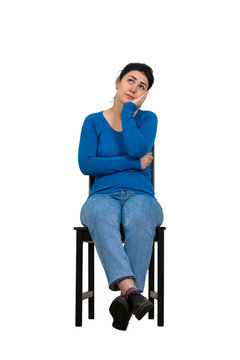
pixel 116 110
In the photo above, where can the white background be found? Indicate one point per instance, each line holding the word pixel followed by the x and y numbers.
pixel 59 61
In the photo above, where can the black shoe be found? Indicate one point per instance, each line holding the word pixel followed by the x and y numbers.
pixel 139 305
pixel 119 309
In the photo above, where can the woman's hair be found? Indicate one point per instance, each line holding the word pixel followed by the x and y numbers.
pixel 145 69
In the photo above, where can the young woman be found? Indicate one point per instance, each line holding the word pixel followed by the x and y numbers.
pixel 115 147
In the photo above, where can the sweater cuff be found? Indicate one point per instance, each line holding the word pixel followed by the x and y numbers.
pixel 130 163
pixel 129 106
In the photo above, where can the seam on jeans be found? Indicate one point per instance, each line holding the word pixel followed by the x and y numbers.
pixel 125 217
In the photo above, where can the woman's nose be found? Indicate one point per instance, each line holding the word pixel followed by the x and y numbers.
pixel 133 88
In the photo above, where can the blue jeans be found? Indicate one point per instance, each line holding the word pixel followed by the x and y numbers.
pixel 139 215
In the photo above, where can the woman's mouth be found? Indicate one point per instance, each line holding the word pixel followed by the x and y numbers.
pixel 129 96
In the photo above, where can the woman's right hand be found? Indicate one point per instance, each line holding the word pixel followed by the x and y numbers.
pixel 146 160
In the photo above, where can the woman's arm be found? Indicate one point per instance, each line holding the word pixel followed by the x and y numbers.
pixel 90 164
pixel 138 141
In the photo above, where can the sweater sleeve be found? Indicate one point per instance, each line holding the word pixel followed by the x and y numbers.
pixel 138 140
pixel 90 163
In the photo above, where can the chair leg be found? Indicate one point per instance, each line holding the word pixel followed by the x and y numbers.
pixel 79 268
pixel 151 283
pixel 160 300
pixel 91 280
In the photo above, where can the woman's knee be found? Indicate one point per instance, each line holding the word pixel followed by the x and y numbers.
pixel 142 210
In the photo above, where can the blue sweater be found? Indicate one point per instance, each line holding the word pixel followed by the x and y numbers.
pixel 113 157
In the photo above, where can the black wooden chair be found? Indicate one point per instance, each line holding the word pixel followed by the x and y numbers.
pixel 83 236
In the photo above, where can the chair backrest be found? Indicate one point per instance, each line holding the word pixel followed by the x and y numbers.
pixel 91 178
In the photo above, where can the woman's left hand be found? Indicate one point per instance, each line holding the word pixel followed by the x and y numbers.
pixel 140 100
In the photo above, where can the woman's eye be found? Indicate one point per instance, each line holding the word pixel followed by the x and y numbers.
pixel 130 80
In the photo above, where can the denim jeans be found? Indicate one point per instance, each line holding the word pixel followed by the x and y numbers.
pixel 139 215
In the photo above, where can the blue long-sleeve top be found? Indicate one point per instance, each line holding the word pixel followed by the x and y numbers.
pixel 113 157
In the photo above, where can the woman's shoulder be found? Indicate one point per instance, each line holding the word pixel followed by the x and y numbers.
pixel 93 121
pixel 94 116
pixel 147 115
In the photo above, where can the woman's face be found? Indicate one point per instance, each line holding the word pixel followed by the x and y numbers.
pixel 132 86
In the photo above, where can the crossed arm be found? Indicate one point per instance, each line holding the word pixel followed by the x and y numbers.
pixel 137 142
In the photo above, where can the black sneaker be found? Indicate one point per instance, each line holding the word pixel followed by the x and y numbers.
pixel 139 305
pixel 120 311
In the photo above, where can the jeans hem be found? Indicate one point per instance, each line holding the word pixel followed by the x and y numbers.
pixel 114 287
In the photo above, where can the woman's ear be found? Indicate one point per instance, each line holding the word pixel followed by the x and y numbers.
pixel 117 82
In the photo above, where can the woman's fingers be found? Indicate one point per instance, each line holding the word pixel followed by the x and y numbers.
pixel 146 160
pixel 139 101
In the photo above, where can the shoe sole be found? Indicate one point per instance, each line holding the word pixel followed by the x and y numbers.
pixel 118 307
pixel 143 309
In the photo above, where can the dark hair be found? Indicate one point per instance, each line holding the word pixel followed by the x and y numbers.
pixel 145 69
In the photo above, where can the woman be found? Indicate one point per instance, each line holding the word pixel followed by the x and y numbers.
pixel 115 147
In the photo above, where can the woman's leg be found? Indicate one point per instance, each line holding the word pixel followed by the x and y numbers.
pixel 102 215
pixel 140 216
